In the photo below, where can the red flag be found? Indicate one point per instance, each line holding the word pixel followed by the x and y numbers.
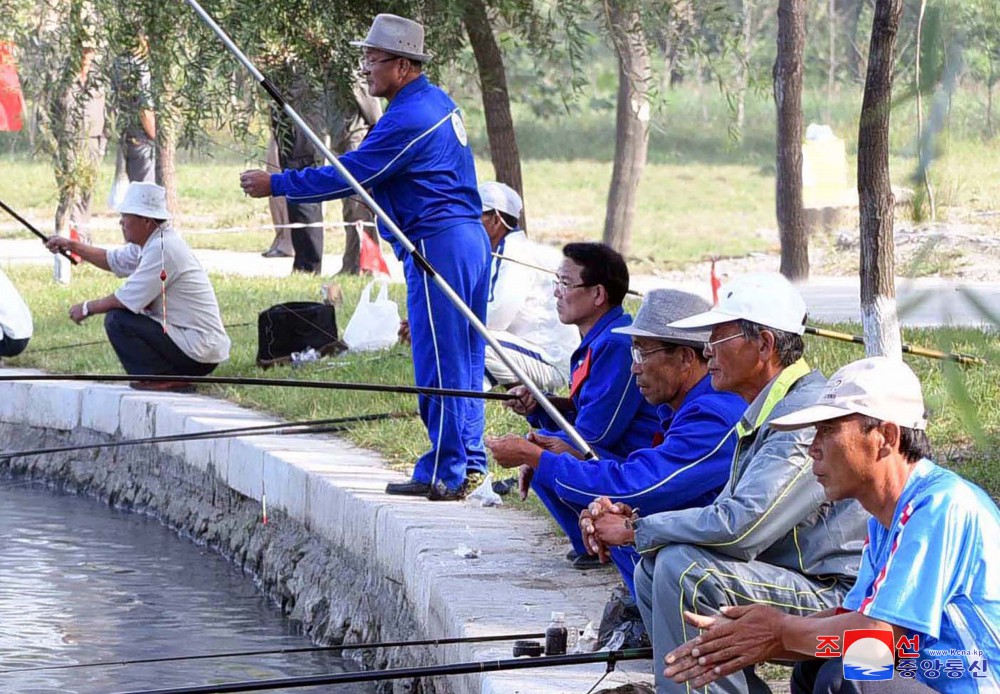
pixel 371 255
pixel 11 99
pixel 714 279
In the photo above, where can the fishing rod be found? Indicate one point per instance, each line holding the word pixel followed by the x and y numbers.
pixel 316 426
pixel 30 227
pixel 271 382
pixel 957 357
pixel 398 234
pixel 467 668
pixel 285 651
pixel 630 292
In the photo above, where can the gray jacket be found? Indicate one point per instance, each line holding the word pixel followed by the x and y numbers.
pixel 772 510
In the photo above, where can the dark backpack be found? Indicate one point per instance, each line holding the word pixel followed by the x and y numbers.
pixel 294 327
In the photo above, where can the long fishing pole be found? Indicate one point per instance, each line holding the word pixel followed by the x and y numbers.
pixel 820 332
pixel 394 229
pixel 467 668
pixel 270 382
pixel 30 227
pixel 285 651
pixel 316 426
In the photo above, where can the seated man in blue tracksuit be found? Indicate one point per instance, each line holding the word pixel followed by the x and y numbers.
pixel 417 163
pixel 689 463
pixel 605 405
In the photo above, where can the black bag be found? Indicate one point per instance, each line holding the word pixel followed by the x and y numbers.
pixel 294 327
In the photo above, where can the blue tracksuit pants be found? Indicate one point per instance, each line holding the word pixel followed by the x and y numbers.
pixel 448 352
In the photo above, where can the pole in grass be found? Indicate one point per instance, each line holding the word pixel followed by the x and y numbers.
pixel 418 258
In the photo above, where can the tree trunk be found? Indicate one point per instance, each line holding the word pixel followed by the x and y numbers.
pixel 166 161
pixel 496 98
pixel 631 123
pixel 744 74
pixel 924 170
pixel 788 100
pixel 878 292
pixel 831 68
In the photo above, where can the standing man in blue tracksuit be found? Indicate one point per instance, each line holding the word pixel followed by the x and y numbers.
pixel 417 163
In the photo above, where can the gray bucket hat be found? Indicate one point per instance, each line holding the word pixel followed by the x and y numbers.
pixel 396 35
pixel 662 306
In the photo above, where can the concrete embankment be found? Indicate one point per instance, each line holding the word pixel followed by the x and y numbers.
pixel 346 561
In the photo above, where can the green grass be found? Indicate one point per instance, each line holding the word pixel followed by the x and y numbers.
pixel 702 194
pixel 965 425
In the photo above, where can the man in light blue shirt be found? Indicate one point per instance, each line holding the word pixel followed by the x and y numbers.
pixel 928 573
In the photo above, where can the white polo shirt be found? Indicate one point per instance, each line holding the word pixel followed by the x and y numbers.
pixel 15 317
pixel 193 319
pixel 521 301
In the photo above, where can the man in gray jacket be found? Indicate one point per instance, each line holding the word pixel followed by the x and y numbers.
pixel 770 536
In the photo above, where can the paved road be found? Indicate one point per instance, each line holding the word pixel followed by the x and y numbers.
pixel 923 302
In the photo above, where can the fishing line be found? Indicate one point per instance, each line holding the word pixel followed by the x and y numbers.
pixel 104 342
pixel 466 668
pixel 820 332
pixel 269 382
pixel 317 426
pixel 286 651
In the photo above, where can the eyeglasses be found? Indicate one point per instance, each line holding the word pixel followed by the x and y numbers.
pixel 639 356
pixel 562 284
pixel 715 343
pixel 366 64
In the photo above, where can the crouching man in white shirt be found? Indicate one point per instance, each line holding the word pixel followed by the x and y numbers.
pixel 164 320
pixel 521 313
pixel 15 319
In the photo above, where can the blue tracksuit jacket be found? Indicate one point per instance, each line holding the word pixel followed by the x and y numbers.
pixel 417 164
pixel 608 409
pixel 688 468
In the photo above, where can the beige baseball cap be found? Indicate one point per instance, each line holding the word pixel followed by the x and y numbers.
pixel 879 387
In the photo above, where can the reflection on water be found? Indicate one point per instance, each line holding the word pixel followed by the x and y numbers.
pixel 80 582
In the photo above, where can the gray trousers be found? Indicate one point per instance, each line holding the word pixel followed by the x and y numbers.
pixel 687 577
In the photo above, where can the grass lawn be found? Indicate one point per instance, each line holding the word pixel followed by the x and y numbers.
pixel 965 424
pixel 702 193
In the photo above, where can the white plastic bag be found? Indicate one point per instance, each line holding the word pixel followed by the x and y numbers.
pixel 375 324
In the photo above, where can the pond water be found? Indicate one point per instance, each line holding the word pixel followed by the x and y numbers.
pixel 81 582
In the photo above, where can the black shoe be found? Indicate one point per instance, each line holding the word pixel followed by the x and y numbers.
pixel 571 555
pixel 586 561
pixel 408 488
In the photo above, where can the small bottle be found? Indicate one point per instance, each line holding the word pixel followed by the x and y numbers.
pixel 555 635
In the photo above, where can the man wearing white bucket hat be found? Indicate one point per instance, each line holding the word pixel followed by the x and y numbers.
pixel 182 336
pixel 418 165
pixel 770 535
pixel 928 574
pixel 521 312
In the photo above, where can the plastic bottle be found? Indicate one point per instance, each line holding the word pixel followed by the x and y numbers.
pixel 555 635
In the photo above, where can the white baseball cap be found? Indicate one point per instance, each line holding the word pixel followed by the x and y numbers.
pixel 500 197
pixel 765 299
pixel 878 387
pixel 145 200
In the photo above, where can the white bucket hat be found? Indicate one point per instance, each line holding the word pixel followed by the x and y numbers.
pixel 145 200
pixel 766 299
pixel 500 197
pixel 878 387
pixel 397 35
